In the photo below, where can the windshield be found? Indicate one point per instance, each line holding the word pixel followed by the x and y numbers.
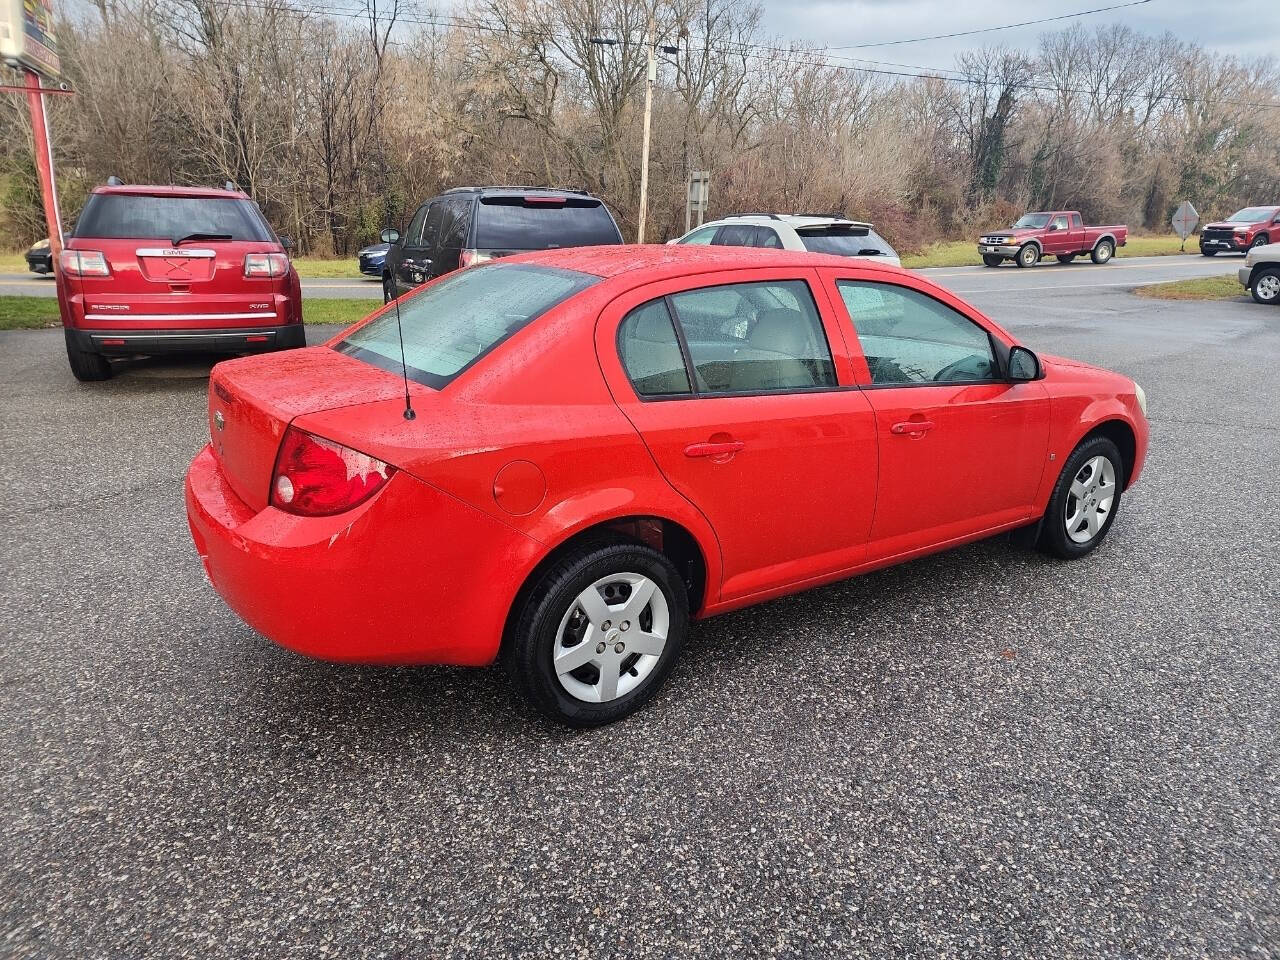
pixel 845 242
pixel 514 223
pixel 1252 214
pixel 453 323
pixel 1032 221
pixel 118 215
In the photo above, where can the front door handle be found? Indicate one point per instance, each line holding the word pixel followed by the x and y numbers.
pixel 907 427
pixel 724 448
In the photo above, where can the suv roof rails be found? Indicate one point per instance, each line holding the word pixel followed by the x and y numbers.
pixel 114 181
pixel 831 216
pixel 515 186
pixel 735 216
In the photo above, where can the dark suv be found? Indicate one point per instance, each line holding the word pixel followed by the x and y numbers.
pixel 469 225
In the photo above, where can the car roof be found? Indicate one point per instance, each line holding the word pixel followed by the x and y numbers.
pixel 169 190
pixel 516 190
pixel 798 221
pixel 674 260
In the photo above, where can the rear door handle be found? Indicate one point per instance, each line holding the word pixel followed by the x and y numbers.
pixel 911 426
pixel 722 449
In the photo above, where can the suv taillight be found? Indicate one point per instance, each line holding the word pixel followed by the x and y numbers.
pixel 84 263
pixel 469 258
pixel 315 477
pixel 265 264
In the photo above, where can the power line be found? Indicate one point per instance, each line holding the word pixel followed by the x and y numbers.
pixel 1006 26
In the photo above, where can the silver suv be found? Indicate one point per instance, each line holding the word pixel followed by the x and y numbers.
pixel 799 231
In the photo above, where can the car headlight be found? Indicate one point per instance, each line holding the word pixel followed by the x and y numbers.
pixel 1142 398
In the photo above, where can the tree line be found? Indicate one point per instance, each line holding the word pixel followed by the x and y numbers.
pixel 340 119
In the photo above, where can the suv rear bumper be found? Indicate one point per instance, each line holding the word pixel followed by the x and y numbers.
pixel 239 340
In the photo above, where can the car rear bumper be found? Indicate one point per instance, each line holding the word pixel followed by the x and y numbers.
pixel 239 340
pixel 411 576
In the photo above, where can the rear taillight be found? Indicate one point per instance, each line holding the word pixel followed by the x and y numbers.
pixel 469 258
pixel 84 263
pixel 315 477
pixel 265 264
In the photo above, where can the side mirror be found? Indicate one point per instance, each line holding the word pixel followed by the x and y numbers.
pixel 1023 365
pixel 390 235
pixel 1053 227
pixel 286 242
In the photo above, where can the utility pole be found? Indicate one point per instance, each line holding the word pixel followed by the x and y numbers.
pixel 651 78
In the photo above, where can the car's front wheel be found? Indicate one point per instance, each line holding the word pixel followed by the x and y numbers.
pixel 992 259
pixel 1028 256
pixel 1266 286
pixel 598 633
pixel 1084 501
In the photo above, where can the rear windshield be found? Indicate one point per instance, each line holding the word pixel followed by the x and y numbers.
pixel 453 323
pixel 846 242
pixel 515 223
pixel 118 215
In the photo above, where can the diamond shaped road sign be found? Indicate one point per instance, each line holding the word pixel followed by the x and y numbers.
pixel 1185 219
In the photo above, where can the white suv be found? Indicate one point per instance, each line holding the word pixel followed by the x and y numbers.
pixel 817 234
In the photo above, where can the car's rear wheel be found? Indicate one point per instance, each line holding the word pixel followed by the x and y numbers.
pixel 1028 256
pixel 1266 286
pixel 598 633
pixel 992 260
pixel 85 366
pixel 1066 257
pixel 1103 251
pixel 1085 500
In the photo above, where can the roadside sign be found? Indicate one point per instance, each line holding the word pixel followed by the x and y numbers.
pixel 27 37
pixel 699 196
pixel 1185 219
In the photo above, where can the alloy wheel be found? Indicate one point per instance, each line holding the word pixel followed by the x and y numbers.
pixel 611 637
pixel 1092 495
pixel 1267 287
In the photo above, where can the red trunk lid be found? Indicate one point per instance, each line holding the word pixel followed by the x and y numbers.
pixel 253 399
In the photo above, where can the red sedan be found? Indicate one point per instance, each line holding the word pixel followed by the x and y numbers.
pixel 587 448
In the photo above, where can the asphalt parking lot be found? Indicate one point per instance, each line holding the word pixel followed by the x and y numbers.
pixel 985 753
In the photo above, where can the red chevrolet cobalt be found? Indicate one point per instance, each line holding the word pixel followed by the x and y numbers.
pixel 587 448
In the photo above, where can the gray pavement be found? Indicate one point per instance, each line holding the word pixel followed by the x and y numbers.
pixel 983 754
pixel 1121 272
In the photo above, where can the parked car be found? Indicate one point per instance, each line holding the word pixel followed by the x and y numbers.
pixel 40 257
pixel 161 269
pixel 608 442
pixel 1260 274
pixel 1244 229
pixel 469 225
pixel 817 233
pixel 1057 233
pixel 373 259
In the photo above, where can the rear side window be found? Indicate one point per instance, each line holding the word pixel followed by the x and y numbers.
pixel 910 338
pixel 453 323
pixel 846 242
pixel 1075 221
pixel 753 337
pixel 736 235
pixel 129 215
pixel 520 223
pixel 650 351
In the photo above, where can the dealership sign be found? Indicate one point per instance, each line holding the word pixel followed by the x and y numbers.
pixel 27 36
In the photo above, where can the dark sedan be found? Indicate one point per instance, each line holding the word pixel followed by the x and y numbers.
pixel 372 259
pixel 40 257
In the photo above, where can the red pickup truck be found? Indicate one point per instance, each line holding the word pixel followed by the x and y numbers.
pixel 1051 233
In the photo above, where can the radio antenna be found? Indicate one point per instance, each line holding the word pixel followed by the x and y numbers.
pixel 404 366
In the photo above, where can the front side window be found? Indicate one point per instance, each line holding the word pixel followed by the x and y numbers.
pixel 434 224
pixel 908 337
pixel 650 352
pixel 1060 223
pixel 752 337
pixel 414 233
pixel 455 322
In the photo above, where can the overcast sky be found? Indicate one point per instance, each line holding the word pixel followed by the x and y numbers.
pixel 1243 27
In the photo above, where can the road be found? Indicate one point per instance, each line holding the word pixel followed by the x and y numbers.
pixel 1121 272
pixel 984 754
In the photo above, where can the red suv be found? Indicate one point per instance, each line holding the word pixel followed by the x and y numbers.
pixel 172 269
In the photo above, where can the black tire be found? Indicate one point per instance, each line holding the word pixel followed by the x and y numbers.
pixel 1103 251
pixel 1028 256
pixel 1066 257
pixel 387 293
pixel 86 367
pixel 1264 286
pixel 1054 537
pixel 529 648
pixel 992 260
pixel 1208 253
pixel 1261 240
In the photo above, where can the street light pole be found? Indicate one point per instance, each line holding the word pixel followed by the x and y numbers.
pixel 651 77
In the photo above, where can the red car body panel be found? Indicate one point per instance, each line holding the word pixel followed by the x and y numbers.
pixel 1240 235
pixel 545 438
pixel 155 290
